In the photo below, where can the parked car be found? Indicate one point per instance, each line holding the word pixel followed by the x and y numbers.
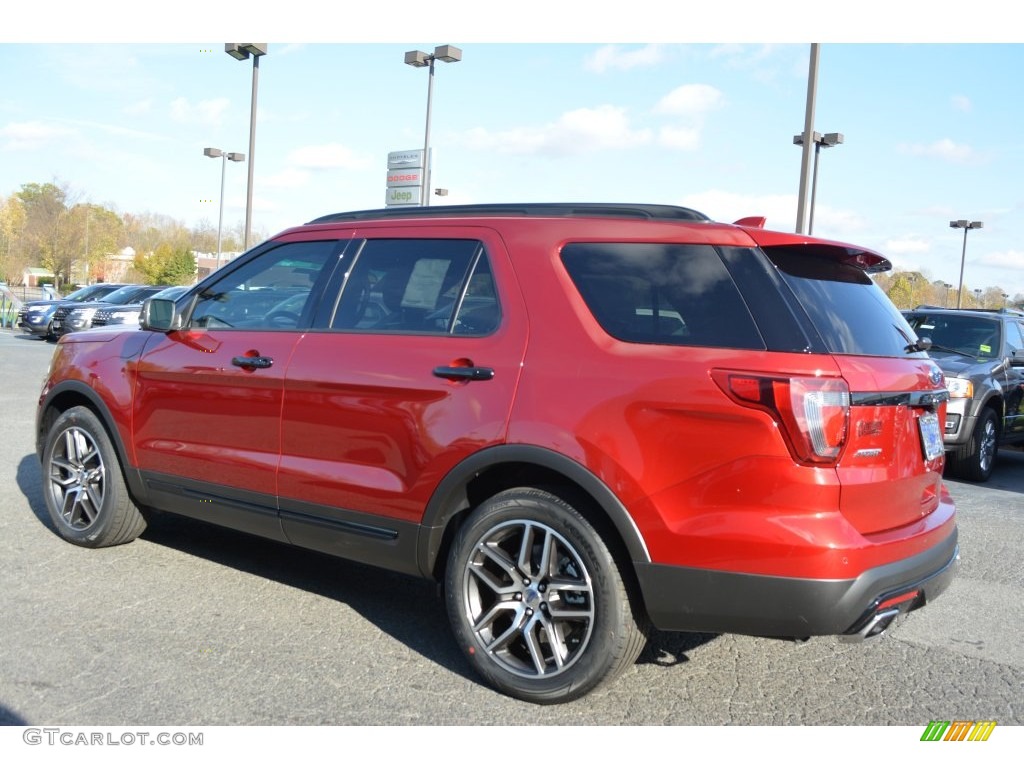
pixel 36 317
pixel 581 421
pixel 116 314
pixel 981 354
pixel 78 316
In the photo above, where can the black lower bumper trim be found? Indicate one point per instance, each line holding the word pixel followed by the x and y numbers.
pixel 701 600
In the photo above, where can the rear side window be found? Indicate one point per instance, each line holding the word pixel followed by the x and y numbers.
pixel 852 314
pixel 652 293
pixel 419 286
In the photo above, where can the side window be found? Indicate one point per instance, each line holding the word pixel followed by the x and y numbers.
pixel 1014 338
pixel 271 292
pixel 662 294
pixel 419 286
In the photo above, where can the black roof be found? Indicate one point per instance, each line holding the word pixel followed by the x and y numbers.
pixel 612 210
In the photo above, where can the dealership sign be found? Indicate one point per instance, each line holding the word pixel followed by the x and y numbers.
pixel 407 158
pixel 405 177
pixel 402 196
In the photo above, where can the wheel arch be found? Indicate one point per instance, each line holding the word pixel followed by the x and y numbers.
pixel 995 401
pixel 69 394
pixel 499 468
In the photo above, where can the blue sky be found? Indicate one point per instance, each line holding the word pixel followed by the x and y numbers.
pixel 698 109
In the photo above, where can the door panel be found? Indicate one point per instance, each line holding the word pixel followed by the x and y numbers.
pixel 208 398
pixel 375 415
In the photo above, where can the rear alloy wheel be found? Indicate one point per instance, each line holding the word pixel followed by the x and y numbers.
pixel 83 485
pixel 975 459
pixel 536 600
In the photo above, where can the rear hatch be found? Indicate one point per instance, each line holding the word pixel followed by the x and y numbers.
pixel 890 462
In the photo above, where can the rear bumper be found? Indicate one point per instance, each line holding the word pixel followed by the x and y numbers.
pixel 701 600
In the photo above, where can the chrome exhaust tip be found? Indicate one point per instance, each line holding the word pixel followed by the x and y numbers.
pixel 875 627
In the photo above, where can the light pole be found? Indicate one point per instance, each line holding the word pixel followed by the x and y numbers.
pixel 805 156
pixel 446 53
pixel 977 297
pixel 1005 297
pixel 965 225
pixel 224 156
pixel 826 140
pixel 242 51
pixel 947 286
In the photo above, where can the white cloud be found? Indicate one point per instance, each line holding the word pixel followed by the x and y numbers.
pixel 290 178
pixel 763 62
pixel 578 131
pixel 780 210
pixel 906 245
pixel 614 57
pixel 327 156
pixel 679 138
pixel 741 56
pixel 1003 260
pixel 208 111
pixel 690 100
pixel 689 103
pixel 946 149
pixel 139 108
pixel 32 135
pixel 961 103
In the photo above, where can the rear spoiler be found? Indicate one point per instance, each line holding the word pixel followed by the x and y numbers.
pixel 864 258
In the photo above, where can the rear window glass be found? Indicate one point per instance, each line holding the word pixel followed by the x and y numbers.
pixel 851 313
pixel 653 293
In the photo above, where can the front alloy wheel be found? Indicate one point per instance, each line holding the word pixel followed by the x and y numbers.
pixel 536 600
pixel 78 478
pixel 83 484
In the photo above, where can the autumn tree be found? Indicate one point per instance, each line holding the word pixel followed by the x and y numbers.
pixel 167 265
pixel 12 225
pixel 45 226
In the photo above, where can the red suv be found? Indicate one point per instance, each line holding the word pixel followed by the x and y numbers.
pixel 582 420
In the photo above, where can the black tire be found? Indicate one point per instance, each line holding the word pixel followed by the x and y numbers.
pixel 83 483
pixel 975 459
pixel 542 633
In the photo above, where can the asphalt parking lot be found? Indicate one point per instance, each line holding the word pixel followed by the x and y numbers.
pixel 193 624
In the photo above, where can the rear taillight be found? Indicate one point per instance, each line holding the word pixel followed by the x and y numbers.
pixel 813 412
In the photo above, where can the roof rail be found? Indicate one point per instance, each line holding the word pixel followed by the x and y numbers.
pixel 611 210
pixel 1003 311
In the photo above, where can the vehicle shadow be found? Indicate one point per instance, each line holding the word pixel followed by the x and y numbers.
pixel 409 609
pixel 30 482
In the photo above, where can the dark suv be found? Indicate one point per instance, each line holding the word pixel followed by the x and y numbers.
pixel 77 316
pixel 581 420
pixel 982 355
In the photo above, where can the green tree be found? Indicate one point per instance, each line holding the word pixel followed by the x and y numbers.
pixel 44 232
pixel 167 265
